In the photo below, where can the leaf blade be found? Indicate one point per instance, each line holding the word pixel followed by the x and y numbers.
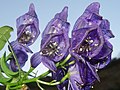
pixel 5 68
pixel 4 35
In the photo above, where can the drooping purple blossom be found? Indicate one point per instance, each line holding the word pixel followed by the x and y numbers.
pixel 90 41
pixel 28 27
pixel 27 33
pixel 90 47
pixel 55 41
pixel 82 76
pixel 22 58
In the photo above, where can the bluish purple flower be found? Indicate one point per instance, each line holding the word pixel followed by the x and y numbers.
pixel 81 76
pixel 90 47
pixel 90 40
pixel 27 33
pixel 28 27
pixel 55 41
pixel 22 58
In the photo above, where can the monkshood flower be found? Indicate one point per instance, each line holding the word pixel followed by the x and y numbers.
pixel 81 76
pixel 27 33
pixel 90 41
pixel 55 41
pixel 22 58
pixel 90 46
pixel 28 27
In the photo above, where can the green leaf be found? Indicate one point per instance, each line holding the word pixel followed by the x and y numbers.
pixel 3 79
pixel 5 68
pixel 4 35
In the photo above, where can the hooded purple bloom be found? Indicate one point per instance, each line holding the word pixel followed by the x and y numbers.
pixel 27 33
pixel 55 41
pixel 82 76
pixel 28 27
pixel 90 46
pixel 90 40
pixel 22 58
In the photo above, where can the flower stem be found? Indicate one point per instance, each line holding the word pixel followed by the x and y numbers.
pixel 30 70
pixel 40 86
pixel 14 56
pixel 56 83
pixel 16 60
pixel 37 79
pixel 66 59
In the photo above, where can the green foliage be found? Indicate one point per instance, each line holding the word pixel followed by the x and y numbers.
pixel 5 68
pixel 4 35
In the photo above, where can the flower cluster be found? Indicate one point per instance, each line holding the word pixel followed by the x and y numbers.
pixel 88 48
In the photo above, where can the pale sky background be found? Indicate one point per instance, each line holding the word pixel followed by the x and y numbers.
pixel 46 9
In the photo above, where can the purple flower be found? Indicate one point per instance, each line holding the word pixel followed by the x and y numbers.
pixel 81 76
pixel 55 41
pixel 90 47
pixel 27 33
pixel 22 58
pixel 90 36
pixel 28 27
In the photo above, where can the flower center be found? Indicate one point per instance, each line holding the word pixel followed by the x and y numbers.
pixel 87 46
pixel 26 37
pixel 51 49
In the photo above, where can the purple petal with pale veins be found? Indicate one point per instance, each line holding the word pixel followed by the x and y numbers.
pixel 28 27
pixel 22 58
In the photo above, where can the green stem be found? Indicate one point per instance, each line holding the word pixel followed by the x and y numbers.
pixel 30 70
pixel 56 83
pixel 16 87
pixel 8 56
pixel 13 55
pixel 40 86
pixel 7 87
pixel 16 60
pixel 66 59
pixel 70 63
pixel 45 74
pixel 36 78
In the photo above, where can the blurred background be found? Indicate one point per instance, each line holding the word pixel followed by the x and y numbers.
pixel 46 9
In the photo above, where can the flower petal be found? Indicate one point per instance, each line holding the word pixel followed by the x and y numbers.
pixel 105 26
pixel 49 64
pixel 92 8
pixel 58 24
pixel 28 27
pixel 91 13
pixel 16 45
pixel 63 14
pixel 75 78
pixel 58 75
pixel 22 58
pixel 36 59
